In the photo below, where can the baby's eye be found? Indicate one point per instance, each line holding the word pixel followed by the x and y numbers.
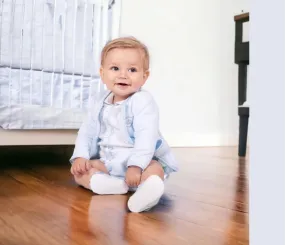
pixel 132 69
pixel 114 68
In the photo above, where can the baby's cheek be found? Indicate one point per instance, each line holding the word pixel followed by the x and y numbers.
pixel 138 84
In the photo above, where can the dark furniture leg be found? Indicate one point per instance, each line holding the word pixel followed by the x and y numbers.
pixel 242 83
pixel 243 130
pixel 242 60
pixel 243 112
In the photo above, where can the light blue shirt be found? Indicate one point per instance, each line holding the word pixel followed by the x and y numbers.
pixel 111 134
pixel 139 128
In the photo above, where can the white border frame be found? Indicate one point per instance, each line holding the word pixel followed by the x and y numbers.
pixel 267 123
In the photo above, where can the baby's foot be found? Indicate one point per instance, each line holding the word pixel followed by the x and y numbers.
pixel 104 184
pixel 147 195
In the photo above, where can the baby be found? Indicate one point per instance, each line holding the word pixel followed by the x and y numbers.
pixel 119 147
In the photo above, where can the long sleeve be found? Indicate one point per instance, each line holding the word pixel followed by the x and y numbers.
pixel 85 137
pixel 145 124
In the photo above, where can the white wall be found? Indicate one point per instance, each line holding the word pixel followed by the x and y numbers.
pixel 193 75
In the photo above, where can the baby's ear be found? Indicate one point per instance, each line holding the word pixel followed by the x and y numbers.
pixel 101 72
pixel 146 74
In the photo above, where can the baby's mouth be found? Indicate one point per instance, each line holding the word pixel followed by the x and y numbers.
pixel 123 84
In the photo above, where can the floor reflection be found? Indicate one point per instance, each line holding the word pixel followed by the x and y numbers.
pixel 238 232
pixel 106 220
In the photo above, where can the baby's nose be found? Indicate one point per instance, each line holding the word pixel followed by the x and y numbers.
pixel 123 74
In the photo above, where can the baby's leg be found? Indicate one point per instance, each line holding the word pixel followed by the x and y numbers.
pixel 100 182
pixel 150 190
pixel 84 179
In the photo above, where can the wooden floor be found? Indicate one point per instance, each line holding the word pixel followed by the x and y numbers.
pixel 205 203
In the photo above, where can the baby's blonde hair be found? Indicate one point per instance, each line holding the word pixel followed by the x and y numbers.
pixel 124 43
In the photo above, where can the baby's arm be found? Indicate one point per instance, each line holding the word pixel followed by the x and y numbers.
pixel 84 138
pixel 145 124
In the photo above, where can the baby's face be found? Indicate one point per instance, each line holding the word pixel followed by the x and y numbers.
pixel 123 72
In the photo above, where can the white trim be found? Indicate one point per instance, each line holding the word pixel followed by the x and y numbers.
pixel 190 139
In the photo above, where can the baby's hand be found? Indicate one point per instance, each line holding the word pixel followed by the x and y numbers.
pixel 133 176
pixel 80 166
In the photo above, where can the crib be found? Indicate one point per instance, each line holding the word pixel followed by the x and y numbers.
pixel 49 66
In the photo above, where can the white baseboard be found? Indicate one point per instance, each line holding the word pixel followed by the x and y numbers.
pixel 188 139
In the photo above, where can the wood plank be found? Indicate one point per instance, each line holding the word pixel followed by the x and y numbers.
pixel 206 203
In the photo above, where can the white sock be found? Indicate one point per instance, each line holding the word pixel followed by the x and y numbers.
pixel 147 195
pixel 105 184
